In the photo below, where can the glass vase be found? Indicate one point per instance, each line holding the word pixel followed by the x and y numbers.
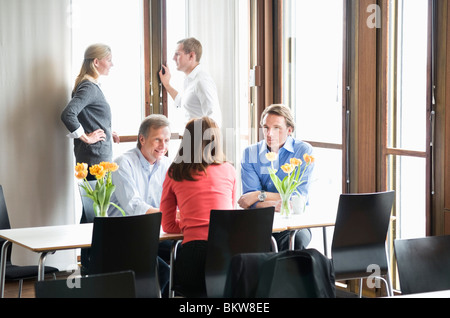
pixel 286 205
pixel 101 212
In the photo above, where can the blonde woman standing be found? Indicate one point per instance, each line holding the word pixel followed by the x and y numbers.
pixel 88 114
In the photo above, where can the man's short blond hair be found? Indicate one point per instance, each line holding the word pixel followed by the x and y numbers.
pixel 192 45
pixel 279 110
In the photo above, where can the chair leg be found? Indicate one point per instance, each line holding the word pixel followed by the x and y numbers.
pixel 173 256
pixel 20 288
pixel 360 287
pixel 274 245
pixel 387 283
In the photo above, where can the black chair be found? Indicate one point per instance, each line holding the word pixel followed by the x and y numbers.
pixel 233 232
pixel 128 243
pixel 87 216
pixel 288 274
pixel 16 272
pixel 423 264
pixel 359 239
pixel 110 285
pixel 297 274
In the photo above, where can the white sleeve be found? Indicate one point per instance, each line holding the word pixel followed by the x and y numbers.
pixel 77 133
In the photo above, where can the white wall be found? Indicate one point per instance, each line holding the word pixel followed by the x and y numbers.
pixel 35 156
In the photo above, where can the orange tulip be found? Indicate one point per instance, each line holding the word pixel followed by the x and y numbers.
pixel 308 158
pixel 288 168
pixel 296 162
pixel 98 171
pixel 109 166
pixel 81 170
pixel 271 156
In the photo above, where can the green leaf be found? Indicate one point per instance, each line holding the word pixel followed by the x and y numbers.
pixel 101 195
pixel 118 207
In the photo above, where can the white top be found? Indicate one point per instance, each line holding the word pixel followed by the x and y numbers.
pixel 200 96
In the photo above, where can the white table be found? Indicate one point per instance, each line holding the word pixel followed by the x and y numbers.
pixel 305 220
pixel 44 240
pixel 49 239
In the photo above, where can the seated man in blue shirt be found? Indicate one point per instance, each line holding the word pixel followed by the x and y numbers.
pixel 140 177
pixel 257 187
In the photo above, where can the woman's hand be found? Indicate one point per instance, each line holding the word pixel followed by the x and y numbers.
pixel 93 137
pixel 116 137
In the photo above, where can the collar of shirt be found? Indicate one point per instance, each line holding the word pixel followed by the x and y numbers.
pixel 145 164
pixel 194 72
pixel 288 146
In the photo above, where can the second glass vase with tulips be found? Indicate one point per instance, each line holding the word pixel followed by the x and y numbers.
pixel 291 182
pixel 104 188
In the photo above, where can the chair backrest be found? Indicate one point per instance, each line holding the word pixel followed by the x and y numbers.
pixel 88 207
pixel 233 232
pixel 110 285
pixel 423 264
pixel 297 274
pixel 360 233
pixel 4 221
pixel 128 243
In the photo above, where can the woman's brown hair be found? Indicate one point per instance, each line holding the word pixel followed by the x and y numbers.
pixel 200 147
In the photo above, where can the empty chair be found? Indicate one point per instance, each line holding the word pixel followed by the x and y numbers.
pixel 288 274
pixel 297 274
pixel 423 264
pixel 110 285
pixel 359 240
pixel 233 232
pixel 16 272
pixel 128 243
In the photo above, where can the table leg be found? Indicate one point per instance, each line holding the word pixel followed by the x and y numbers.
pixel 292 239
pixel 274 244
pixel 325 244
pixel 5 247
pixel 172 264
pixel 41 265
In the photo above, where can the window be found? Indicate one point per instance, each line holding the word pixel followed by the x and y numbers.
pixel 312 87
pixel 121 27
pixel 312 69
pixel 407 123
pixel 176 30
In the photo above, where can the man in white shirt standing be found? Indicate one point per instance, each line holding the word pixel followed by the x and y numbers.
pixel 200 92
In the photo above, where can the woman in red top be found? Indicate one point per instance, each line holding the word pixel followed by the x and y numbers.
pixel 198 181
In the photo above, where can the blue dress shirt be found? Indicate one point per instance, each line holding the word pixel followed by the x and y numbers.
pixel 138 183
pixel 254 166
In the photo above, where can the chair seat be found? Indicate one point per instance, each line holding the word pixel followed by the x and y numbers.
pixel 15 272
